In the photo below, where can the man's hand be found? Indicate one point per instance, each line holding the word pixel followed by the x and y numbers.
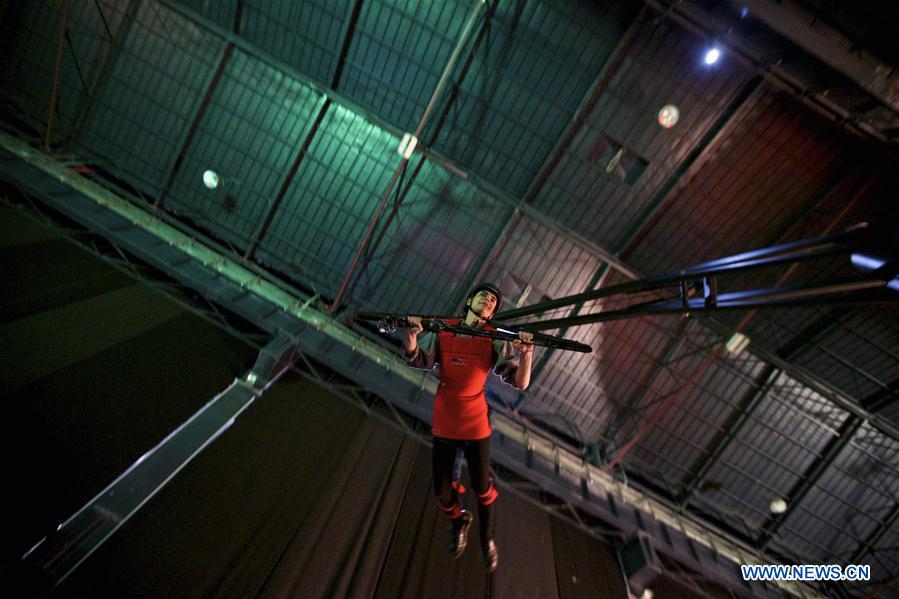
pixel 524 345
pixel 412 332
pixel 526 349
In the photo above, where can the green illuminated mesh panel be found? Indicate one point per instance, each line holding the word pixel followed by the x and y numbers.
pixel 332 199
pixel 305 35
pixel 221 13
pixel 155 87
pixel 528 77
pixel 254 126
pixel 397 54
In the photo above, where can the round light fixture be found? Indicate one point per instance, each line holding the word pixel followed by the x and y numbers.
pixel 778 506
pixel 668 116
pixel 712 56
pixel 210 179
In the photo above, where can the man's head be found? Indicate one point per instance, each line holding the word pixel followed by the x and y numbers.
pixel 484 300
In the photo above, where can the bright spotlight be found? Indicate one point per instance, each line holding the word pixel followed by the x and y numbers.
pixel 712 56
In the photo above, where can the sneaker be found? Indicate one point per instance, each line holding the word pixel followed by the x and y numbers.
pixel 491 556
pixel 459 540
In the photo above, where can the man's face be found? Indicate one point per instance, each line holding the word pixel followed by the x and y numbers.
pixel 483 304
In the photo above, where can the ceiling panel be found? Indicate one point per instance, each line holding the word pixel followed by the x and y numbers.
pixel 438 236
pixel 398 53
pixel 250 134
pixel 155 88
pixel 662 67
pixel 777 160
pixel 332 199
pixel 527 79
pixel 850 500
pixel 305 35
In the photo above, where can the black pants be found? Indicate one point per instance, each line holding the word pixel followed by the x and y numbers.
pixel 477 455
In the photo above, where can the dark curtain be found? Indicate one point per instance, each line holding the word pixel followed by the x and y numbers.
pixel 309 496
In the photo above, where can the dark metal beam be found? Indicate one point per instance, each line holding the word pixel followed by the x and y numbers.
pixel 324 104
pixel 108 64
pixel 817 247
pixel 606 73
pixel 588 103
pixel 322 110
pixel 730 431
pixel 811 335
pixel 828 456
pixel 597 280
pixel 473 15
pixel 347 41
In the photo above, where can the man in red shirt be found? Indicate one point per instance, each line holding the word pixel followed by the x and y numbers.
pixel 460 408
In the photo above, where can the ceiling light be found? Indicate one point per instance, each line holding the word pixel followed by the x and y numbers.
pixel 668 116
pixel 778 506
pixel 712 56
pixel 736 344
pixel 210 179
pixel 407 145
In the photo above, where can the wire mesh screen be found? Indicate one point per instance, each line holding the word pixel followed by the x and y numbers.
pixel 398 53
pixel 535 63
pixel 794 160
pixel 332 198
pixel 860 358
pixel 220 13
pixel 698 401
pixel 432 245
pixel 847 505
pixel 305 35
pixel 570 393
pixel 88 46
pixel 250 134
pixel 772 452
pixel 534 263
pixel 661 67
pixel 155 84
